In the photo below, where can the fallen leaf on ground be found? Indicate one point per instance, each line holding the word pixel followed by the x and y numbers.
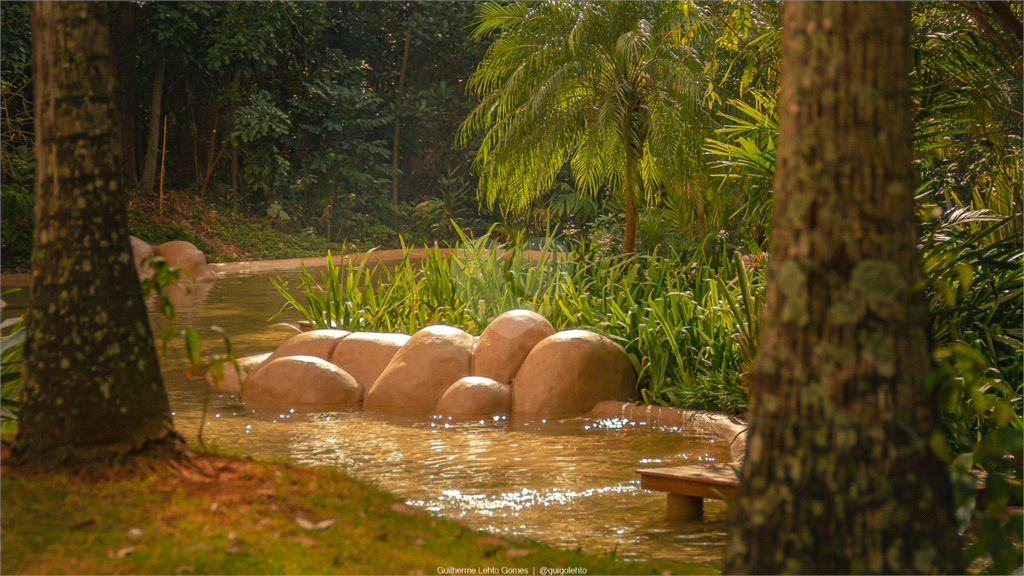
pixel 402 509
pixel 492 541
pixel 134 533
pixel 306 541
pixel 264 522
pixel 122 552
pixel 310 525
pixel 83 523
pixel 518 552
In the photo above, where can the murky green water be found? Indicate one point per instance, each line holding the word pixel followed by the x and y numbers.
pixel 571 483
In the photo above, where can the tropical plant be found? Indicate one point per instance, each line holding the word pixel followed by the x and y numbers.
pixel 976 292
pixel 614 89
pixel 12 340
pixel 742 156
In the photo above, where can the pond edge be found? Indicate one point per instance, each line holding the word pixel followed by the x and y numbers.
pixel 722 426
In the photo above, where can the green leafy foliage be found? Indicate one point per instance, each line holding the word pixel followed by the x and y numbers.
pixel 688 332
pixel 976 292
pixel 12 340
pixel 17 169
pixel 602 86
pixel 743 155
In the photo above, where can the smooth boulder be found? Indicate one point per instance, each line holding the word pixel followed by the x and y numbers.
pixel 422 370
pixel 232 379
pixel 141 250
pixel 184 255
pixel 506 342
pixel 317 343
pixel 570 372
pixel 301 381
pixel 475 396
pixel 365 355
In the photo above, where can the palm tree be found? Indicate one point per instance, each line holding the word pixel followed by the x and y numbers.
pixel 614 89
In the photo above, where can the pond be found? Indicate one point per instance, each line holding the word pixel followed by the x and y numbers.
pixel 570 482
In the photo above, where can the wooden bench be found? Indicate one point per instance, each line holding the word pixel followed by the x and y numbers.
pixel 688 486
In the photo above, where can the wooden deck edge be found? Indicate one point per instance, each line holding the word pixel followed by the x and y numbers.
pixel 722 426
pixel 698 489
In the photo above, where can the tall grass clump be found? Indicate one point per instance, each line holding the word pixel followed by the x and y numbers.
pixel 688 327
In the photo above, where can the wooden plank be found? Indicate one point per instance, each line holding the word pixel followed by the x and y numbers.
pixel 687 488
pixel 719 480
pixel 704 481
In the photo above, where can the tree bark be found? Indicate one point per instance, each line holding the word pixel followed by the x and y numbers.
pixel 92 388
pixel 153 140
pixel 839 476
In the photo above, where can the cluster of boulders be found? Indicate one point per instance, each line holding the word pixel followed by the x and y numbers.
pixel 178 254
pixel 518 365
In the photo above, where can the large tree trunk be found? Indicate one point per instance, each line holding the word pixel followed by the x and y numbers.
pixel 839 476
pixel 92 388
pixel 153 139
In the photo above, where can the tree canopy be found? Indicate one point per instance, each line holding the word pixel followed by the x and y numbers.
pixel 615 90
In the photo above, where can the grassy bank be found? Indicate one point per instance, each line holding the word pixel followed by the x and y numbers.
pixel 236 515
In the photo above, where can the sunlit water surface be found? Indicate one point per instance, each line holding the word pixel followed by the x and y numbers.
pixel 570 483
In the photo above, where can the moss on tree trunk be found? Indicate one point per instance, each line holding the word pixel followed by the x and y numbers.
pixel 839 476
pixel 92 386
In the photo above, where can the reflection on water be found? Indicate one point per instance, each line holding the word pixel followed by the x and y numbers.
pixel 571 483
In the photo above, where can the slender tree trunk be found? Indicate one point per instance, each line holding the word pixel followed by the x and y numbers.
pixel 632 214
pixel 234 171
pixel 153 140
pixel 629 181
pixel 398 117
pixel 839 476
pixel 92 388
pixel 125 43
